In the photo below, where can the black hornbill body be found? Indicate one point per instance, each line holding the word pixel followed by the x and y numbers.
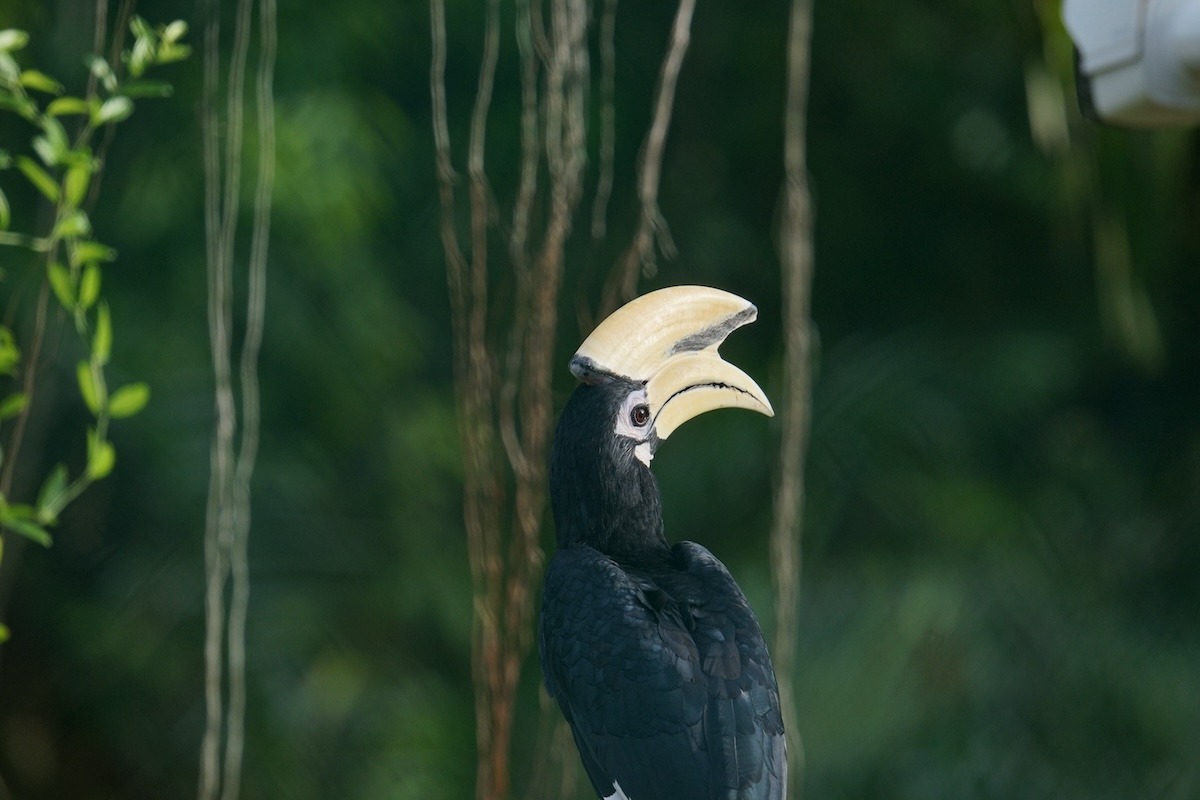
pixel 650 649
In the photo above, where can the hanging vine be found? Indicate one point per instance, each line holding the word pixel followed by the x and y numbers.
pixel 233 457
pixel 504 452
pixel 796 249
pixel 63 167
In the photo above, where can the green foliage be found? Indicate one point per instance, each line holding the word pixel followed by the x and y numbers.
pixel 10 354
pixel 62 169
pixel 128 400
pixel 1001 568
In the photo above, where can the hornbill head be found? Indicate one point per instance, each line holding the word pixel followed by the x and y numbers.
pixel 645 370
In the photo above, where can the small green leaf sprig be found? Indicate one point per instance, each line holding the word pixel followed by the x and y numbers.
pixel 62 169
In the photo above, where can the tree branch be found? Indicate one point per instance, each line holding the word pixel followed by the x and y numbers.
pixel 227 526
pixel 505 561
pixel 797 257
pixel 608 117
pixel 622 286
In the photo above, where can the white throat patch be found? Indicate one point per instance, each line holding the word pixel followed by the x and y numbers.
pixel 642 451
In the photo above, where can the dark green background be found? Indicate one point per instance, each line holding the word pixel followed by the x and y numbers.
pixel 1001 586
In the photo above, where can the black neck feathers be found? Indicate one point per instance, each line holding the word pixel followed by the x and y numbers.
pixel 600 493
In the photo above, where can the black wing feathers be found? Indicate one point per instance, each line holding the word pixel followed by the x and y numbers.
pixel 743 725
pixel 631 693
pixel 664 677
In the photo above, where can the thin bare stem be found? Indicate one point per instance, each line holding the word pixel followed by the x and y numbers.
pixel 124 12
pixel 228 513
pixel 608 117
pixel 234 527
pixel 98 34
pixel 215 556
pixel 541 42
pixel 456 278
pixel 216 566
pixel 519 239
pixel 493 769
pixel 567 78
pixel 504 560
pixel 468 321
pixel 797 256
pixel 248 372
pixel 527 189
pixel 651 225
pixel 118 41
pixel 28 386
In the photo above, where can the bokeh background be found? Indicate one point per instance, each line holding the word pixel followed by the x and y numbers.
pixel 1001 587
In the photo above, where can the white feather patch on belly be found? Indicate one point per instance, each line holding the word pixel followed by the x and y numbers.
pixel 618 794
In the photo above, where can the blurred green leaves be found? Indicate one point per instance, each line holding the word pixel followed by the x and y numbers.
pixel 11 40
pixel 61 170
pixel 10 354
pixel 128 400
pixel 24 520
pixel 91 388
pixel 40 179
pixel 114 109
pixel 100 456
pixel 53 496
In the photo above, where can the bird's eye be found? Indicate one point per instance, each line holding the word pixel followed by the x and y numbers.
pixel 640 415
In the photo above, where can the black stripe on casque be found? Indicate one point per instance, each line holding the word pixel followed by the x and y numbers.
pixel 687 389
pixel 715 333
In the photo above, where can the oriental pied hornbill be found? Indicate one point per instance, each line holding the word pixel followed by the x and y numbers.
pixel 650 649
